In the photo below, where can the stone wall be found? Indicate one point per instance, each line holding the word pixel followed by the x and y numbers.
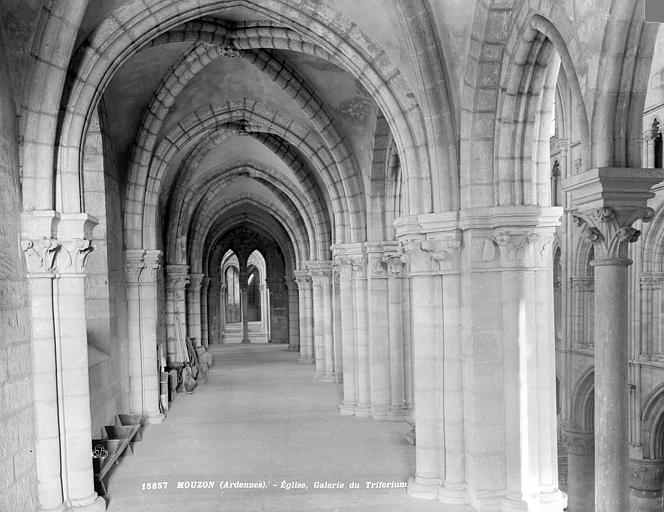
pixel 18 478
pixel 106 306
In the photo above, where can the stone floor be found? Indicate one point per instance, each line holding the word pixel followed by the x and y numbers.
pixel 263 419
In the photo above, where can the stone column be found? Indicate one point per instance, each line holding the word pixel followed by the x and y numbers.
pixel 39 256
pixel 244 303
pixel 265 309
pixel 134 265
pixel 150 279
pixel 321 276
pixel 379 334
pixel 215 311
pixel 399 409
pixel 348 341
pixel 583 289
pixel 508 354
pixel 223 292
pixel 646 481
pixel 293 315
pixel 71 348
pixel 278 310
pixel 608 201
pixel 649 137
pixel 362 364
pixel 432 257
pixel 205 326
pixel 177 279
pixel 651 312
pixel 336 324
pixel 194 308
pixel 306 316
pixel 580 470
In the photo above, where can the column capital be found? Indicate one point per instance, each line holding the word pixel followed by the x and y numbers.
pixel 303 279
pixel 71 257
pixel 39 256
pixel 320 272
pixel 195 282
pixel 606 202
pixel 562 145
pixel 358 265
pixel 276 285
pixel 438 254
pixel 153 261
pixel 651 133
pixel 646 475
pixel 509 236
pixel 177 276
pixel 579 442
pixel 291 283
pixel 651 282
pixel 394 263
pixel 583 283
pixel 57 243
pixel 430 243
pixel 344 266
pixel 134 265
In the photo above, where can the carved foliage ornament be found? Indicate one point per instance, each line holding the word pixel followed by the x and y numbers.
pixel 53 256
pixel 580 443
pixel 39 254
pixel 513 246
pixel 434 254
pixel 646 475
pixel 611 231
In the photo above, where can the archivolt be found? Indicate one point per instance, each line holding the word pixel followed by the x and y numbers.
pixel 203 208
pixel 583 401
pixel 134 24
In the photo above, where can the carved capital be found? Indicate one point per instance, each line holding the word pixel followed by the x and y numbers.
pixel 344 267
pixel 579 442
pixel 302 279
pixel 39 255
pixel 583 284
pixel 153 263
pixel 377 267
pixel 512 246
pixel 394 264
pixel 195 282
pixel 646 475
pixel 70 259
pixel 177 277
pixel 651 283
pixel 321 278
pixel 610 230
pixel 358 264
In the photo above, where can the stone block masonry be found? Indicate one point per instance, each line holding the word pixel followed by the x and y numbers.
pixel 17 447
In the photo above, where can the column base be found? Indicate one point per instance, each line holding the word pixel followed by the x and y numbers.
pixel 554 501
pixel 362 411
pixel 155 418
pixel 305 360
pixel 380 413
pixel 453 494
pixel 399 414
pixel 97 504
pixel 347 409
pixel 293 348
pixel 59 508
pixel 424 488
pixel 323 376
